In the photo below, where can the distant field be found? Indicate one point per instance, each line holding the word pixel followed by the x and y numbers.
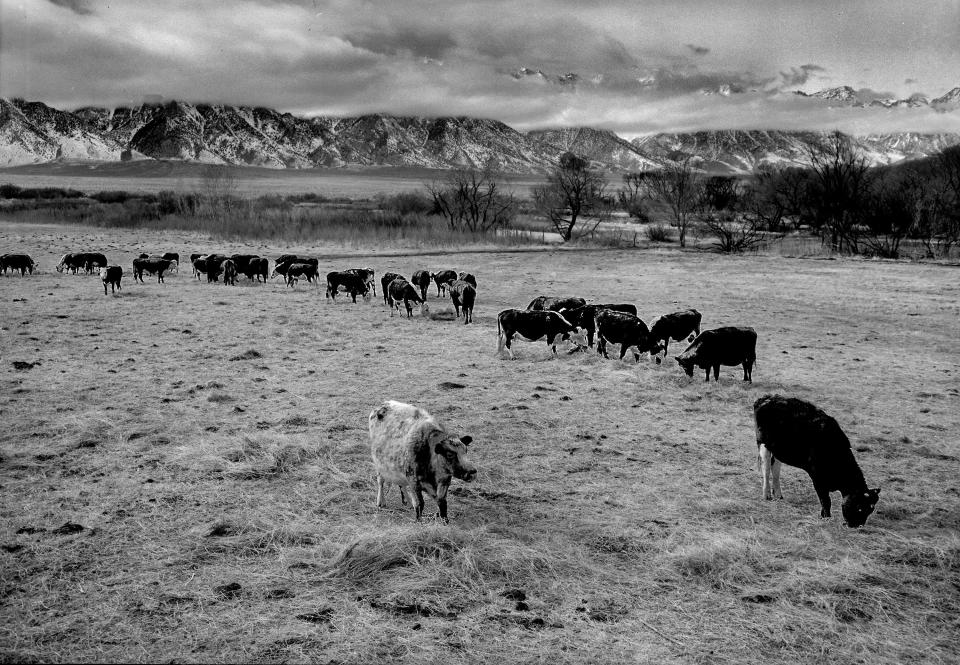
pixel 155 176
pixel 211 441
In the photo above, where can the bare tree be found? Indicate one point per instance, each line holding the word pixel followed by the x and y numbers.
pixel 843 183
pixel 631 195
pixel 729 211
pixel 472 200
pixel 573 197
pixel 678 187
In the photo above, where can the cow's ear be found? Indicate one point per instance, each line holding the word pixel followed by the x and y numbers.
pixel 466 439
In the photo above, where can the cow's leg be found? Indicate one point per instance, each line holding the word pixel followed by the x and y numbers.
pixel 716 373
pixel 623 349
pixel 708 374
pixel 748 371
pixel 417 495
pixel 104 288
pixel 442 502
pixel 380 499
pixel 775 469
pixel 765 460
pixel 824 495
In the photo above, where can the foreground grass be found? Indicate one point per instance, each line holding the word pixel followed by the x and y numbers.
pixel 227 505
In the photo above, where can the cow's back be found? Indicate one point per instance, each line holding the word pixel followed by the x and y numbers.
pixel 397 437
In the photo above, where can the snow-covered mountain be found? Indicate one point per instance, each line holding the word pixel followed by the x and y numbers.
pixel 31 132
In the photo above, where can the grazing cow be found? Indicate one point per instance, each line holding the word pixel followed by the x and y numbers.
pixel 410 448
pixel 73 262
pixel 154 266
pixel 93 261
pixel 15 262
pixel 229 272
pixel 442 278
pixel 294 271
pixel 400 290
pixel 214 266
pixel 367 275
pixel 385 285
pixel 111 275
pixel 351 282
pixel 550 304
pixel 792 431
pixel 626 330
pixel 172 256
pixel 463 294
pixel 421 280
pixel 676 326
pixel 294 258
pixel 729 346
pixel 468 278
pixel 242 261
pixel 532 326
pixel 258 267
pixel 583 317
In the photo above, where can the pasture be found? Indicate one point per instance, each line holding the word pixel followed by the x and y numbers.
pixel 186 475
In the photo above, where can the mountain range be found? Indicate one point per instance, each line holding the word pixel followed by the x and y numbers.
pixel 32 132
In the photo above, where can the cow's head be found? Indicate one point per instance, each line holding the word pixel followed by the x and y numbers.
pixel 451 456
pixel 686 364
pixel 655 349
pixel 424 309
pixel 857 507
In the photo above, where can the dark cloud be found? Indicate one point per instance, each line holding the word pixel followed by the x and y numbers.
pixel 799 75
pixel 419 43
pixel 697 50
pixel 76 6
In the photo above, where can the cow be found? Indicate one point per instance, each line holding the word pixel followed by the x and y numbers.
pixel 258 267
pixel 294 258
pixel 214 266
pixel 385 285
pixel 442 278
pixel 583 317
pixel 795 432
pixel 410 448
pixel 172 256
pixel 15 262
pixel 229 272
pixel 294 271
pixel 193 262
pixel 729 346
pixel 367 275
pixel 242 261
pixel 93 261
pixel 153 266
pixel 199 265
pixel 533 326
pixel 550 304
pixel 353 284
pixel 111 275
pixel 400 290
pixel 464 295
pixel 676 326
pixel 72 262
pixel 626 330
pixel 468 278
pixel 421 280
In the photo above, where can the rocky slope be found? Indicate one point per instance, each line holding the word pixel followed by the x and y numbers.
pixel 31 132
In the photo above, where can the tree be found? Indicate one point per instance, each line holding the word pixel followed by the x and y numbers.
pixel 573 196
pixel 842 187
pixel 472 200
pixel 729 209
pixel 678 187
pixel 631 195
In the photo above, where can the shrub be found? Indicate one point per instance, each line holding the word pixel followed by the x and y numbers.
pixel 117 196
pixel 9 191
pixel 659 233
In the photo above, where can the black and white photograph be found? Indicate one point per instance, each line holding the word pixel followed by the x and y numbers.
pixel 364 332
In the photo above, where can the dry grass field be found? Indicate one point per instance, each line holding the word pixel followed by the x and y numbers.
pixel 185 471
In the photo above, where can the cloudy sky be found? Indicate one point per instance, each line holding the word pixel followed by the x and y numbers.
pixel 637 66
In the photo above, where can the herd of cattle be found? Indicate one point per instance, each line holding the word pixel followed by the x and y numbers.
pixel 411 449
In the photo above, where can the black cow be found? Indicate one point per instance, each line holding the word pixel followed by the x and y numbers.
pixel 626 330
pixel 294 258
pixel 551 304
pixel 792 431
pixel 351 282
pixel 532 326
pixel 367 275
pixel 214 266
pixel 172 256
pixel 421 280
pixel 583 317
pixel 14 262
pixel 385 285
pixel 229 272
pixel 468 278
pixel 193 261
pixel 729 346
pixel 154 266
pixel 442 278
pixel 93 261
pixel 400 290
pixel 294 271
pixel 73 262
pixel 676 326
pixel 111 275
pixel 463 294
pixel 242 262
pixel 258 267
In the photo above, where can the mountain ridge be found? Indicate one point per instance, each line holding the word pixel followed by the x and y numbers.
pixel 32 132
